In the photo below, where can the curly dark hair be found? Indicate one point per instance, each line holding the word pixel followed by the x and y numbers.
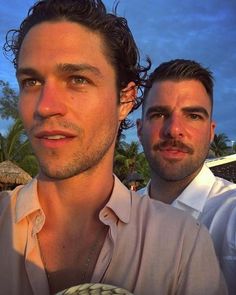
pixel 121 48
pixel 179 70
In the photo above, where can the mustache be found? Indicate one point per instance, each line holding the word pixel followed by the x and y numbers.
pixel 55 124
pixel 173 143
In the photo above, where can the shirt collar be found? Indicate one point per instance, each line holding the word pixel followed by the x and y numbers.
pixel 196 193
pixel 120 201
pixel 27 200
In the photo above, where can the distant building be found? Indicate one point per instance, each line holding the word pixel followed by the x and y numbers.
pixel 224 167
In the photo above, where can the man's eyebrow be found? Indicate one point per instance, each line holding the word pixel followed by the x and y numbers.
pixel 154 109
pixel 197 109
pixel 27 72
pixel 61 68
pixel 191 109
pixel 71 68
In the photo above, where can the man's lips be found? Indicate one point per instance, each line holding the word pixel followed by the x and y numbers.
pixel 53 139
pixel 173 150
pixel 54 135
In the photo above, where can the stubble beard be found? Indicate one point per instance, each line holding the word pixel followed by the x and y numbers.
pixel 81 161
pixel 78 164
pixel 177 170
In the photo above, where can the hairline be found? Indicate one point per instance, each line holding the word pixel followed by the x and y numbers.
pixel 104 48
pixel 177 79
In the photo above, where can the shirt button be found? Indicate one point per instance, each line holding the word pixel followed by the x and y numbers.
pixel 38 220
pixel 38 223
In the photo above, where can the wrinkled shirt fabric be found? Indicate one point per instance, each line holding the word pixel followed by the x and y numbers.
pixel 150 248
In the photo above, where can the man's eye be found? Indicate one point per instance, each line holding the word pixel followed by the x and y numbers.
pixel 195 117
pixel 78 80
pixel 157 115
pixel 26 83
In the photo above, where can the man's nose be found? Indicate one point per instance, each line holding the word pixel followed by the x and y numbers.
pixel 51 101
pixel 174 127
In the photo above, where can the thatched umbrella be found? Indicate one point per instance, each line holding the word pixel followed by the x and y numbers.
pixel 133 179
pixel 11 174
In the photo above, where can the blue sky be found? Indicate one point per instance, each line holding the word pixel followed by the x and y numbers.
pixel 167 29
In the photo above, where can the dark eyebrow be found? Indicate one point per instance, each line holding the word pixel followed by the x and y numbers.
pixel 71 68
pixel 154 109
pixel 61 68
pixel 197 109
pixel 192 109
pixel 27 72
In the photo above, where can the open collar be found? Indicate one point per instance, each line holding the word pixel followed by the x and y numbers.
pixel 120 201
pixel 27 200
pixel 196 193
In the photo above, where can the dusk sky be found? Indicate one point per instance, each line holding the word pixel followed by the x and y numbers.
pixel 167 29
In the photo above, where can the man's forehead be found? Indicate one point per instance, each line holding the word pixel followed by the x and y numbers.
pixel 184 92
pixel 78 46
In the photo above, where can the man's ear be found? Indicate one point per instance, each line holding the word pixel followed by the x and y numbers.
pixel 127 100
pixel 139 125
pixel 213 126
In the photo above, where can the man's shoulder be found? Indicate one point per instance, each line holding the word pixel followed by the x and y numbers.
pixel 222 191
pixel 7 197
pixel 221 205
pixel 223 187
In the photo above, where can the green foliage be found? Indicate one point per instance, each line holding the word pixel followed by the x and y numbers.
pixel 15 146
pixel 219 145
pixel 143 168
pixel 30 164
pixel 128 159
pixel 8 101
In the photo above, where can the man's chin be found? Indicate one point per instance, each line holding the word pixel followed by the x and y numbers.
pixel 172 172
pixel 55 173
pixel 172 178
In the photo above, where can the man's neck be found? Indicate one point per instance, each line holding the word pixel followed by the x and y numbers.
pixel 167 191
pixel 78 198
pixel 72 234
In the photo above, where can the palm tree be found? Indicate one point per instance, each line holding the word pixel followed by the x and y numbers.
pixel 125 158
pixel 128 159
pixel 8 101
pixel 15 146
pixel 143 168
pixel 219 145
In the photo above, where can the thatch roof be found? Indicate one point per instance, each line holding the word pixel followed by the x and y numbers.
pixel 12 174
pixel 224 167
pixel 134 176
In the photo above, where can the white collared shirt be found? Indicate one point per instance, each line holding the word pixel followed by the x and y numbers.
pixel 202 188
